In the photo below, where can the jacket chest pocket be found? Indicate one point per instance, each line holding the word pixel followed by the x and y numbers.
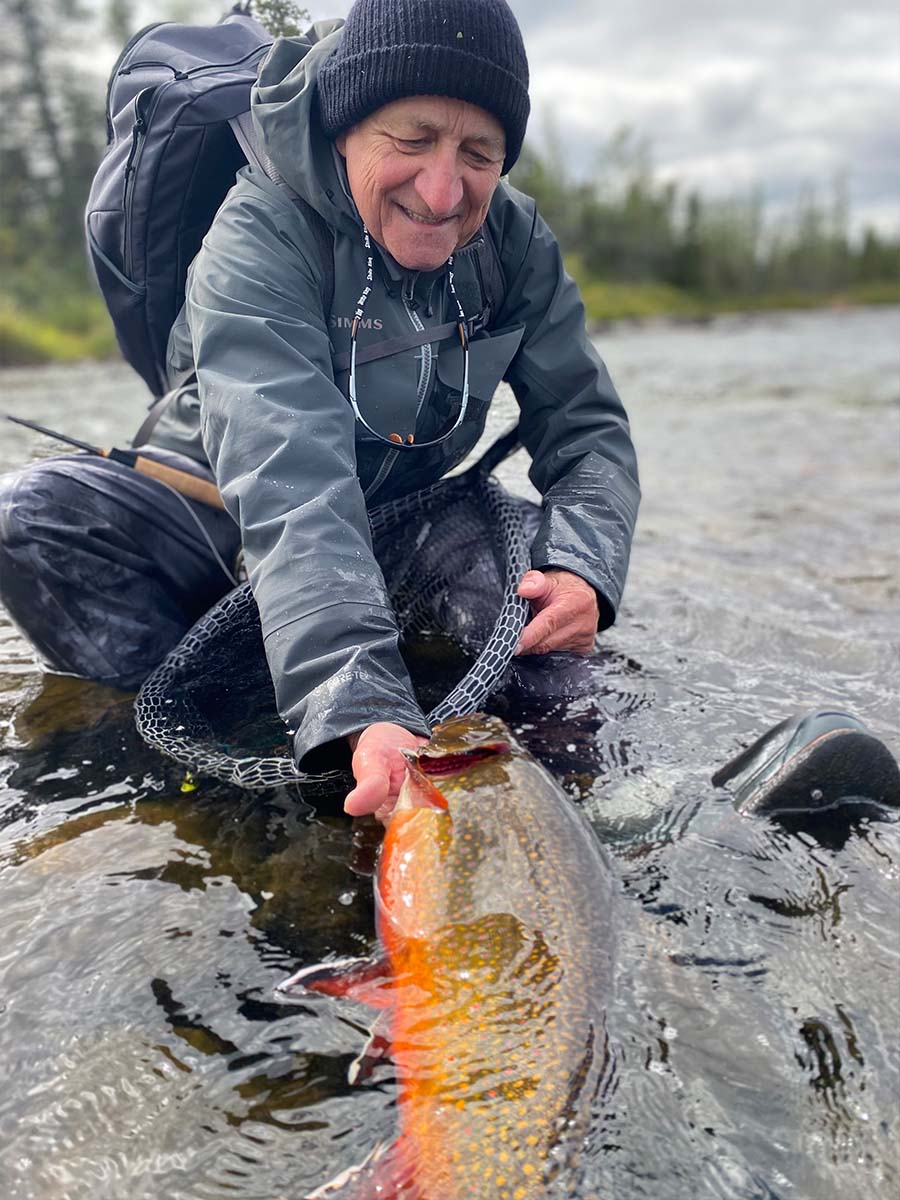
pixel 489 359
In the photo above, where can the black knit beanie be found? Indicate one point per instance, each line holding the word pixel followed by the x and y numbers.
pixel 469 49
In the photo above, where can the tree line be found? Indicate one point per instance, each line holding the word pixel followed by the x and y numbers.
pixel 626 225
pixel 623 225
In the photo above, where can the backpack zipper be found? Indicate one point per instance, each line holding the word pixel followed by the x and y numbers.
pixel 219 66
pixel 138 132
pixel 114 73
pixel 153 62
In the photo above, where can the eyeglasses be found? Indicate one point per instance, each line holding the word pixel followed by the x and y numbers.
pixel 394 440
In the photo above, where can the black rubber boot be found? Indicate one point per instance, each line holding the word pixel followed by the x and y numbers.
pixel 811 763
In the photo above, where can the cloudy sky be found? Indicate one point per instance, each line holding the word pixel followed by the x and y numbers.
pixel 732 94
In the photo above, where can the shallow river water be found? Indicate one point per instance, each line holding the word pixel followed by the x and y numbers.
pixel 757 999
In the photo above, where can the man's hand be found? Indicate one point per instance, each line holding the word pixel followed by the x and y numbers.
pixel 564 613
pixel 378 767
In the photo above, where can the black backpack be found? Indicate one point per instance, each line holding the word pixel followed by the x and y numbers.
pixel 178 129
pixel 173 105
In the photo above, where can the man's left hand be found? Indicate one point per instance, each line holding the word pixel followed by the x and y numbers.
pixel 564 613
pixel 379 767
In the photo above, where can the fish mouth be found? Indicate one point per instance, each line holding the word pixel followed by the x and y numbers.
pixel 454 763
pixel 460 743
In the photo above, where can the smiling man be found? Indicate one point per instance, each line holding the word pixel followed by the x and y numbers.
pixel 394 133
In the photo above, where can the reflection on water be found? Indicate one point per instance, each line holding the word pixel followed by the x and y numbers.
pixel 756 1005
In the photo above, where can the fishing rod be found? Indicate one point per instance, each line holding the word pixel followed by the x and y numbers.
pixel 182 481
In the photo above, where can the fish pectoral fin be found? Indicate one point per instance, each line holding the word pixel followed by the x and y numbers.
pixel 376 1049
pixel 384 1175
pixel 367 980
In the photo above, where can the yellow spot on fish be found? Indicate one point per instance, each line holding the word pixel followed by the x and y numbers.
pixel 527 1168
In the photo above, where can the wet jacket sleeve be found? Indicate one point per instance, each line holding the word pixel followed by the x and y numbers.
pixel 572 421
pixel 280 439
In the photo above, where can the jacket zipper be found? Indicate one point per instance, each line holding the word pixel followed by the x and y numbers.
pixel 425 371
pixel 416 321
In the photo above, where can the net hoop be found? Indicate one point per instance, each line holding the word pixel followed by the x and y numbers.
pixel 163 707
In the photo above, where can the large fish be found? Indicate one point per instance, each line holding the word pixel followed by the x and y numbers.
pixel 493 903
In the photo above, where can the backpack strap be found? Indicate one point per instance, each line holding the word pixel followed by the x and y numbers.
pixel 157 409
pixel 398 345
pixel 245 134
pixel 482 298
pixel 491 274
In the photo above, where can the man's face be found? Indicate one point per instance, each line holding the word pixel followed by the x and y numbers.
pixel 422 172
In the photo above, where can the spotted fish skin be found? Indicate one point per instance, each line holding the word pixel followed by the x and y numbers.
pixel 494 909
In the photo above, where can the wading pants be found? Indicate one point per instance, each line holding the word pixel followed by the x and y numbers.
pixel 104 569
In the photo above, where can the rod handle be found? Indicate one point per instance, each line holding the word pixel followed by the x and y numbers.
pixel 182 481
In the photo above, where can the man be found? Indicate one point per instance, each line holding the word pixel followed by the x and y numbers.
pixel 393 133
pixel 396 132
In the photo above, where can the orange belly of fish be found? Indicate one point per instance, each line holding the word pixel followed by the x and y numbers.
pixel 476 1044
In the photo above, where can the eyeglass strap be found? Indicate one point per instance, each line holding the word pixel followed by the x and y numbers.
pixel 395 440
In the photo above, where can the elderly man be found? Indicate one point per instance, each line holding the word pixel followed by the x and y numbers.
pixel 395 133
pixel 347 343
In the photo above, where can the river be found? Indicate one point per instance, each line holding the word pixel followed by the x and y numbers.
pixel 758 992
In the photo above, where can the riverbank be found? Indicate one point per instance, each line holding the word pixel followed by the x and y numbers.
pixel 84 331
pixel 606 302
pixel 81 330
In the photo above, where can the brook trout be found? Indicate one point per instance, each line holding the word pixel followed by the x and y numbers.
pixel 493 903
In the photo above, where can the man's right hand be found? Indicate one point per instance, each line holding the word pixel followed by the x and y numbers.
pixel 379 768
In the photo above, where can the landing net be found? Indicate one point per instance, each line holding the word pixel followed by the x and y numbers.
pixel 452 556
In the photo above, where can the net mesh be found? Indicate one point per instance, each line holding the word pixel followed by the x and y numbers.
pixel 452 556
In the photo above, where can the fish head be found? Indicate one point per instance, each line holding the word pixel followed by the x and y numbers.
pixel 462 743
pixel 455 748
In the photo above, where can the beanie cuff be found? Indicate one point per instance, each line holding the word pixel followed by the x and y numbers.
pixel 355 85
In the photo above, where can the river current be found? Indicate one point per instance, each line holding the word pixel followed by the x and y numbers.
pixel 755 1015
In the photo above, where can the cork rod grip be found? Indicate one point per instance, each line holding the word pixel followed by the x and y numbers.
pixel 182 481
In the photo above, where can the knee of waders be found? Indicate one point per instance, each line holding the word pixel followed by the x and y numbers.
pixel 44 523
pixel 38 499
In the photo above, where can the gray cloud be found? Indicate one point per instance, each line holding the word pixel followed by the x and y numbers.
pixel 732 96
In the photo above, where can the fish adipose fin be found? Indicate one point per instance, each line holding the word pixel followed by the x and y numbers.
pixel 367 980
pixel 383 1176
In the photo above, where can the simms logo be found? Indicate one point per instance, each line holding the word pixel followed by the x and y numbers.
pixel 365 322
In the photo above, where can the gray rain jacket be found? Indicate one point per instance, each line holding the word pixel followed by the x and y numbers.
pixel 296 471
